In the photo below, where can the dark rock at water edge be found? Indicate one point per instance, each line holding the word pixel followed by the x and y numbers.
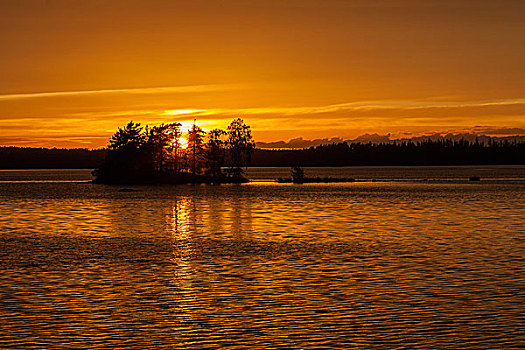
pixel 179 178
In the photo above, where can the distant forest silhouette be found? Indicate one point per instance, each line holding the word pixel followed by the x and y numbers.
pixel 50 158
pixel 441 152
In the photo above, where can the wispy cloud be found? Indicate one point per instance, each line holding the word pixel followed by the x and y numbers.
pixel 365 105
pixel 183 111
pixel 149 90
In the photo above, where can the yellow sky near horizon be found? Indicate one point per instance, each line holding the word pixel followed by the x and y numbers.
pixel 73 71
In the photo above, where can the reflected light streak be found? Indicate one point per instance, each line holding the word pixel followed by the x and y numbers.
pixel 181 231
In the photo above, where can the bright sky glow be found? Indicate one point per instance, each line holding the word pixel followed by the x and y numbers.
pixel 74 71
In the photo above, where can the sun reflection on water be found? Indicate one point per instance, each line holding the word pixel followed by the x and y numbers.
pixel 182 225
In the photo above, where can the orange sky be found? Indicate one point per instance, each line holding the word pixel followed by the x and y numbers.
pixel 72 71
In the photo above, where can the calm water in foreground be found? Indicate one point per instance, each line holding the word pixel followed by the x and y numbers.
pixel 400 263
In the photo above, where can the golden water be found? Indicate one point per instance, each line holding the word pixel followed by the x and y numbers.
pixel 386 265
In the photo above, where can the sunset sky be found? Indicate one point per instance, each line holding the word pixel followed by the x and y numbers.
pixel 72 71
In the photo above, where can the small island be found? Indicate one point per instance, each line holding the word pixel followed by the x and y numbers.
pixel 164 154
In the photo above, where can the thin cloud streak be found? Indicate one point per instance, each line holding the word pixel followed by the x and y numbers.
pixel 367 105
pixel 152 90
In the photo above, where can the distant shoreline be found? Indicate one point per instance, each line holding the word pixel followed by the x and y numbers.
pixel 335 155
pixel 279 167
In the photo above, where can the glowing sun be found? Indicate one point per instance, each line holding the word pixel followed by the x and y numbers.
pixel 183 143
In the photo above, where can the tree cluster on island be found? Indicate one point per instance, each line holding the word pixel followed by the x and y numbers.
pixel 160 154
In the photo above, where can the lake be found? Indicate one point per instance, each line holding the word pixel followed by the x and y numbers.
pixel 405 258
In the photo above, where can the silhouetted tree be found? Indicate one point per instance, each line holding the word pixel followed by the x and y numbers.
pixel 126 161
pixel 240 145
pixel 162 145
pixel 215 151
pixel 196 151
pixel 131 136
pixel 173 149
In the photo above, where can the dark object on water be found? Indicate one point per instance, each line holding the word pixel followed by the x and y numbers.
pixel 298 178
pixel 297 175
pixel 474 178
pixel 127 190
pixel 317 180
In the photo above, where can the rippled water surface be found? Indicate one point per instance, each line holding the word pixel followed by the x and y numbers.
pixel 397 263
